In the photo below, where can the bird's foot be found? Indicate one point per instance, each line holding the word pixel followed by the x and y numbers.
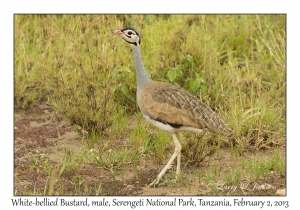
pixel 176 179
pixel 157 179
pixel 155 182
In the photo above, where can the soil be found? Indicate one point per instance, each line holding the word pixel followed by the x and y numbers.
pixel 37 134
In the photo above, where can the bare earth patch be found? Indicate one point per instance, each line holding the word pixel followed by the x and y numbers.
pixel 39 144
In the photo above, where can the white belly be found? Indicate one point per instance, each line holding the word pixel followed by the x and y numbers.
pixel 169 128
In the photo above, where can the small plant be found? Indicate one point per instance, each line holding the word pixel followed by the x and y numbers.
pixel 111 159
pixel 69 162
pixel 263 167
pixel 35 163
pixel 78 181
pixel 160 141
pixel 112 173
pixel 140 140
pixel 118 127
pixel 197 147
pixel 209 177
pixel 94 136
pixel 200 176
pixel 279 163
pixel 233 178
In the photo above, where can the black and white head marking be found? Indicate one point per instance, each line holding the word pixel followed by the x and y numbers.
pixel 130 35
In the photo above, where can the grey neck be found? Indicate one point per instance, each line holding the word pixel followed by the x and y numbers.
pixel 141 76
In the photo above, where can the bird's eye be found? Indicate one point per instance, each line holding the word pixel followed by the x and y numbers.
pixel 130 32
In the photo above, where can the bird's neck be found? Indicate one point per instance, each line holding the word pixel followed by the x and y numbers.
pixel 141 76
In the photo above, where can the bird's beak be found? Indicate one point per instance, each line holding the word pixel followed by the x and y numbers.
pixel 117 32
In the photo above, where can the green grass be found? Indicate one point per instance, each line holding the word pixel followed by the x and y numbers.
pixel 264 167
pixel 233 63
pixel 233 178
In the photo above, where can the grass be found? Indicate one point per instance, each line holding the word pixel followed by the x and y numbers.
pixel 264 167
pixel 233 63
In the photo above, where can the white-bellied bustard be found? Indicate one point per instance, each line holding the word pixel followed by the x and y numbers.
pixel 169 107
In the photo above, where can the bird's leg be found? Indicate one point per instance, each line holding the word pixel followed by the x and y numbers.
pixel 178 157
pixel 177 153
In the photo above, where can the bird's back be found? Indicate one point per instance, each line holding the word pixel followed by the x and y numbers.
pixel 177 107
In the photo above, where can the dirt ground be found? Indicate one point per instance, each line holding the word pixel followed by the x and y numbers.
pixel 37 133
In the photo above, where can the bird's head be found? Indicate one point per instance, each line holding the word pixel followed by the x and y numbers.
pixel 130 35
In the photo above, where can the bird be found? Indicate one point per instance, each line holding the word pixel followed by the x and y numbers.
pixel 169 107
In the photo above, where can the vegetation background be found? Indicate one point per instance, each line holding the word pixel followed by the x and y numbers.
pixel 234 63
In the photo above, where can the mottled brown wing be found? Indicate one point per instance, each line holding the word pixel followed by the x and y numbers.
pixel 173 105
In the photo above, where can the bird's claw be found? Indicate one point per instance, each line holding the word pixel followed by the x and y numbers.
pixel 155 182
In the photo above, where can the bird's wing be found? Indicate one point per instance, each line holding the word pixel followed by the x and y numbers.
pixel 175 106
